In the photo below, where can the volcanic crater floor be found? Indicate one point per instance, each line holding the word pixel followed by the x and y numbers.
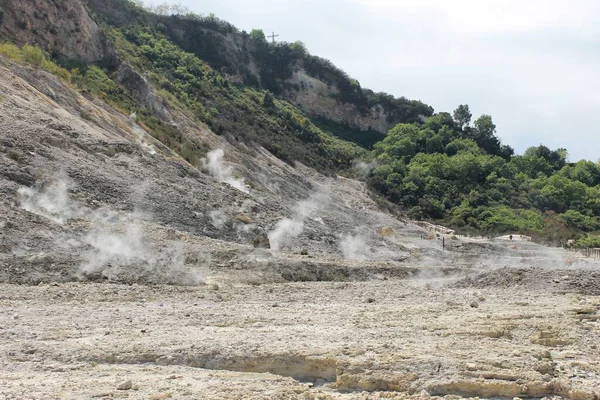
pixel 389 338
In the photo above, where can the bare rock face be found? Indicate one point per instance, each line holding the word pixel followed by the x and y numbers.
pixel 62 28
pixel 320 99
pixel 142 91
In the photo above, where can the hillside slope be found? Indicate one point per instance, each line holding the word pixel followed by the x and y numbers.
pixel 86 193
pixel 138 190
pixel 314 84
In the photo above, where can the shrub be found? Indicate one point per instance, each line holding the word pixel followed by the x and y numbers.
pixel 11 51
pixel 590 241
pixel 33 55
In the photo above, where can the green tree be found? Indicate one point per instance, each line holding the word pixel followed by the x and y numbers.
pixel 485 136
pixel 299 48
pixel 258 37
pixel 435 144
pixel 462 145
pixel 438 121
pixel 583 171
pixel 484 126
pixel 462 116
pixel 556 158
pixel 580 221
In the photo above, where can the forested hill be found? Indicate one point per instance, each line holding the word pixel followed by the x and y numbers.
pixel 447 169
pixel 155 63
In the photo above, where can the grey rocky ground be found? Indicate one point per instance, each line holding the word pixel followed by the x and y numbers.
pixel 119 262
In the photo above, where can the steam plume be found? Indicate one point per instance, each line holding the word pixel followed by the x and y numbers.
pixel 290 228
pixel 364 169
pixel 119 246
pixel 51 201
pixel 223 173
pixel 355 248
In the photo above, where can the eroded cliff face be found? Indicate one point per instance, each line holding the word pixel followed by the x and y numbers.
pixel 317 98
pixel 61 27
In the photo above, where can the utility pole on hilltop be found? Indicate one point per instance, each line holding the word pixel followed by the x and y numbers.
pixel 273 36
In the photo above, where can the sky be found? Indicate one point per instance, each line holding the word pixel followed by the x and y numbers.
pixel 533 65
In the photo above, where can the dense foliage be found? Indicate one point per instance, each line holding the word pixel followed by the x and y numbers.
pixel 447 170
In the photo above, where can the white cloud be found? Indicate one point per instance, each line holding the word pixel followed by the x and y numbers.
pixel 505 16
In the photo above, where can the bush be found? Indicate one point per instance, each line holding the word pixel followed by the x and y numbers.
pixel 33 55
pixel 11 51
pixel 590 241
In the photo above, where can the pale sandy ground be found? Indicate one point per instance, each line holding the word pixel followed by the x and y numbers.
pixel 377 339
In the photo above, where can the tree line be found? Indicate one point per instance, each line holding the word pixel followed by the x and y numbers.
pixel 457 172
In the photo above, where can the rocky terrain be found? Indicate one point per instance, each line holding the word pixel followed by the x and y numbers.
pixel 127 272
pixel 325 340
pixel 351 301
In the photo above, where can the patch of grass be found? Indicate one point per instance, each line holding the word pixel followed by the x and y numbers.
pixel 33 55
pixel 169 135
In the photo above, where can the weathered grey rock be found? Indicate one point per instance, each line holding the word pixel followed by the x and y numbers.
pixel 62 28
pixel 127 385
pixel 141 90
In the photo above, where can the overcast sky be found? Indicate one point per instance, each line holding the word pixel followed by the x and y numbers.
pixel 532 64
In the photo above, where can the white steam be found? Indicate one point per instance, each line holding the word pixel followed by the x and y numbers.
pixel 51 201
pixel 215 166
pixel 363 168
pixel 119 249
pixel 284 230
pixel 355 248
pixel 290 228
pixel 118 244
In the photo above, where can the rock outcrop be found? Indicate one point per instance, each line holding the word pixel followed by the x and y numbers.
pixel 62 28
pixel 319 99
pixel 142 91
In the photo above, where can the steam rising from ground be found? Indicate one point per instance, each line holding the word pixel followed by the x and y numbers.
pixel 215 166
pixel 118 245
pixel 50 201
pixel 141 135
pixel 355 248
pixel 290 228
pixel 363 168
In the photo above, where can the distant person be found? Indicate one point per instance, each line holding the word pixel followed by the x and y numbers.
pixel 510 237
